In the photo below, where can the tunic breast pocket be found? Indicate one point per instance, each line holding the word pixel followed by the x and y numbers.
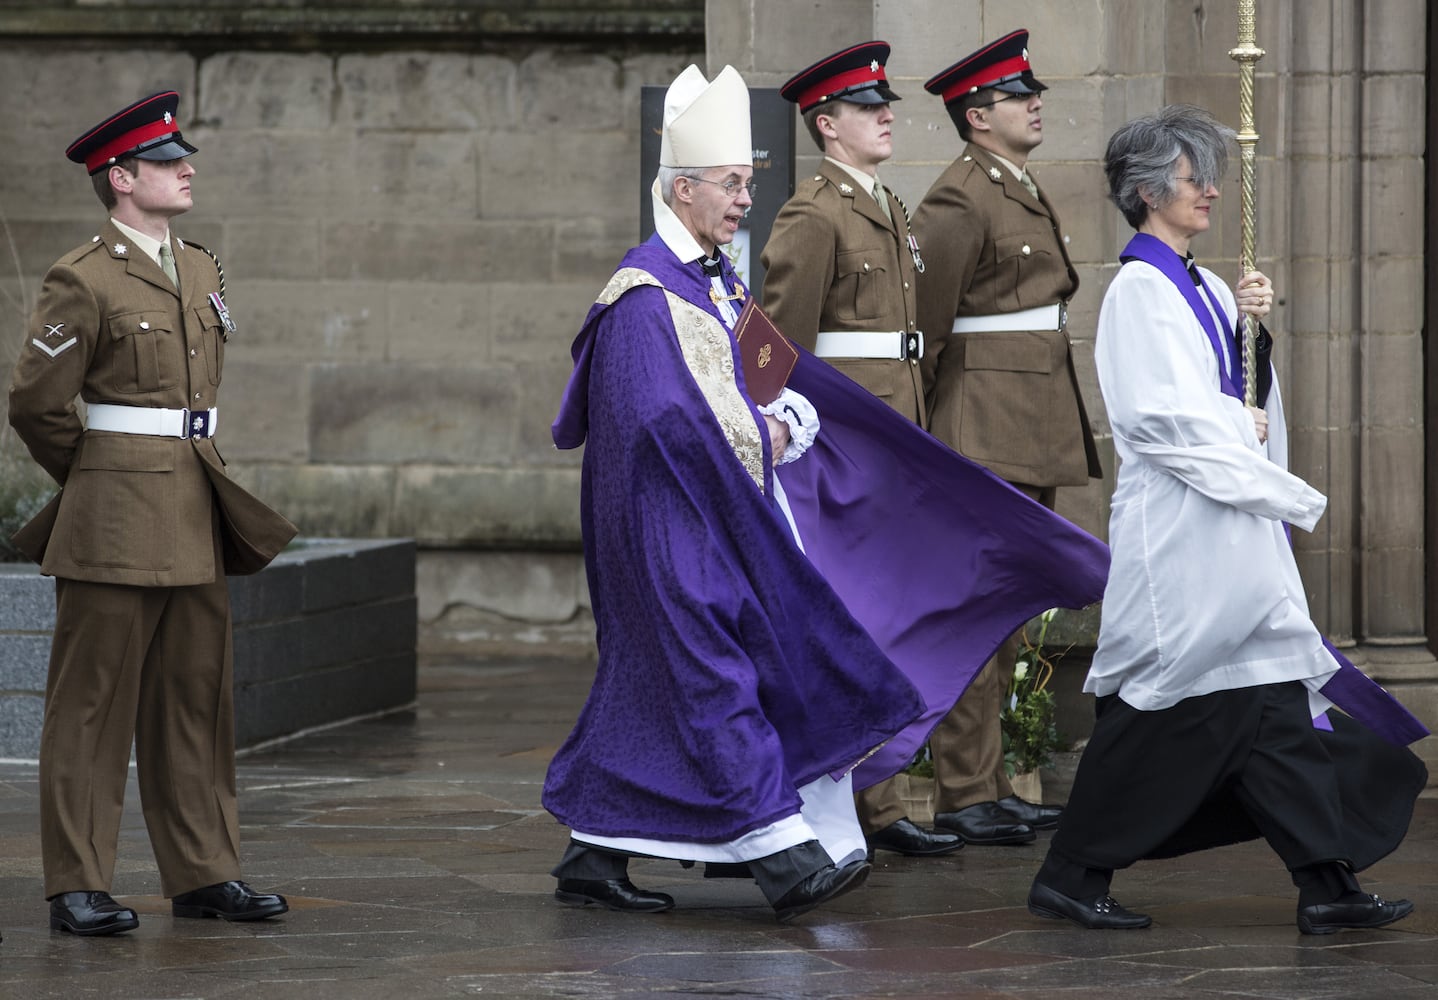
pixel 858 292
pixel 1017 261
pixel 211 335
pixel 145 354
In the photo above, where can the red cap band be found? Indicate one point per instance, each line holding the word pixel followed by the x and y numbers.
pixel 841 81
pixel 991 73
pixel 127 142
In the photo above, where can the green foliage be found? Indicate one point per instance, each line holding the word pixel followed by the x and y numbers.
pixel 24 489
pixel 1027 720
pixel 922 766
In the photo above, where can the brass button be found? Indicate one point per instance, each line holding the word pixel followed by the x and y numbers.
pixel 1026 250
pixel 197 395
pixel 193 352
pixel 866 265
pixel 144 326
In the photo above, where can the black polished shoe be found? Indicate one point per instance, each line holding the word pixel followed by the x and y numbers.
pixel 825 884
pixel 1040 817
pixel 612 894
pixel 90 914
pixel 1371 911
pixel 905 837
pixel 1100 913
pixel 985 823
pixel 228 901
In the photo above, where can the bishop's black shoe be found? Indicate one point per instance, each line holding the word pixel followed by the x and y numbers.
pixel 90 914
pixel 612 894
pixel 825 884
pixel 228 901
pixel 1100 913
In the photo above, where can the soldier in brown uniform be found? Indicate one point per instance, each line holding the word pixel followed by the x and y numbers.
pixel 840 278
pixel 139 540
pixel 999 372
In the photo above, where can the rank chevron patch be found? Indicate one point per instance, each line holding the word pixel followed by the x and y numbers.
pixel 55 352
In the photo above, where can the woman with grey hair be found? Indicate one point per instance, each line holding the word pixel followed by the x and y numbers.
pixel 1213 684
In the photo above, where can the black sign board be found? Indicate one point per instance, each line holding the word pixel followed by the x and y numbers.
pixel 772 126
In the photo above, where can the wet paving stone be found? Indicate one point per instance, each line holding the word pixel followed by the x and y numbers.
pixel 415 854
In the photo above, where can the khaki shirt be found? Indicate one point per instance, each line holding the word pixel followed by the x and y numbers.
pixel 833 262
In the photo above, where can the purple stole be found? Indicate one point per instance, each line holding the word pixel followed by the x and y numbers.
pixel 1153 251
pixel 1350 689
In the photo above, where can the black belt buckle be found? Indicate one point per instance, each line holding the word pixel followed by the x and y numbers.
pixel 912 346
pixel 197 424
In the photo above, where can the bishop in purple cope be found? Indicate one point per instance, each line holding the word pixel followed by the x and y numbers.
pixel 744 688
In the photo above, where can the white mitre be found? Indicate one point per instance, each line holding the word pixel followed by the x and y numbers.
pixel 706 124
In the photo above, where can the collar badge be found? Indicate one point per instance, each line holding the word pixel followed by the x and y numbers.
pixel 121 249
pixel 994 173
pixel 846 189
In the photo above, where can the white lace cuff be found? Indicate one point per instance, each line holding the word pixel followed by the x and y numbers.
pixel 803 420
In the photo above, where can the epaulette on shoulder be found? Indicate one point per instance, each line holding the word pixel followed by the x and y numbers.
pixel 219 268
pixel 81 251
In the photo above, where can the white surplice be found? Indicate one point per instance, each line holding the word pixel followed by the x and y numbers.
pixel 1204 593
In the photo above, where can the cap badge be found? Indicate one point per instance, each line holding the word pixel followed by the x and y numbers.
pixel 873 66
pixel 169 118
pixel 121 249
pixel 1026 55
pixel 846 189
pixel 994 173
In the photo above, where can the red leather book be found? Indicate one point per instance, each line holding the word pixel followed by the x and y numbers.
pixel 767 355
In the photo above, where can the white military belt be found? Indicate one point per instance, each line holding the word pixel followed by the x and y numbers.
pixel 156 420
pixel 1054 317
pixel 895 345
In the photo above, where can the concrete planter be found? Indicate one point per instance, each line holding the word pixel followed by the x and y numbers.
pixel 325 633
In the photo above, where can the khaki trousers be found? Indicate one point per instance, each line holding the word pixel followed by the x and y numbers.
pixel 152 665
pixel 968 748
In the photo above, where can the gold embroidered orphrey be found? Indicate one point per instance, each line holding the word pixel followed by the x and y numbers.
pixel 709 355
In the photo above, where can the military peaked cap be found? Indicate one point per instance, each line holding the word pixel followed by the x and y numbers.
pixel 145 130
pixel 1001 65
pixel 855 75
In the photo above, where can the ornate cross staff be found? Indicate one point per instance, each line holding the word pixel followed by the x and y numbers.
pixel 1246 54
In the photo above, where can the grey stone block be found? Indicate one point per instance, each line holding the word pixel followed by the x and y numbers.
pixel 450 415
pixel 21 719
pixel 267 711
pixel 29 600
pixel 274 593
pixel 359 573
pixel 24 662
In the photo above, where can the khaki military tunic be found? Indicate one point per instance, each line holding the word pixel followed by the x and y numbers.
pixel 834 262
pixel 1009 400
pixel 139 539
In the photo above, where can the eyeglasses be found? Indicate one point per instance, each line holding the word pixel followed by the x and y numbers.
pixel 1007 97
pixel 731 186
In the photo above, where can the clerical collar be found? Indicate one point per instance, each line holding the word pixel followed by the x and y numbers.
pixel 711 267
